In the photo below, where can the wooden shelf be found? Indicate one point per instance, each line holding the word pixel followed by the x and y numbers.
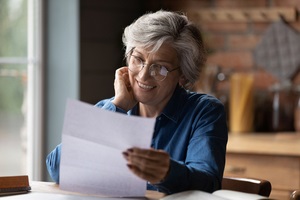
pixel 243 15
pixel 265 143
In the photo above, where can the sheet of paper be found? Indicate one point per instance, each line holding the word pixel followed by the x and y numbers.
pixel 217 195
pixel 93 140
pixel 54 196
pixel 236 195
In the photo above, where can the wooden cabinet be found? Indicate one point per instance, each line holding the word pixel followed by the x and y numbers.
pixel 274 157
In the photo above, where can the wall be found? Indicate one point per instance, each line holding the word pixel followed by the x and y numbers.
pixel 230 46
pixel 61 67
pixel 231 43
pixel 102 25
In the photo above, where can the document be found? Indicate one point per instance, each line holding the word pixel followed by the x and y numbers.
pixel 93 140
pixel 217 195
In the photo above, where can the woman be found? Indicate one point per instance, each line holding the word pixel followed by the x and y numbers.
pixel 164 54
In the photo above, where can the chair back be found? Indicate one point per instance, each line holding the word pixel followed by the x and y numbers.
pixel 248 185
pixel 295 195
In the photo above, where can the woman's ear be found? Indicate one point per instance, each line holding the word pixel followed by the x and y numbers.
pixel 182 80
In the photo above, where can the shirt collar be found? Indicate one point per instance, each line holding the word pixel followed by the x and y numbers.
pixel 173 108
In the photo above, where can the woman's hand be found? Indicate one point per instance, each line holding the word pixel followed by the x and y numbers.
pixel 124 97
pixel 149 164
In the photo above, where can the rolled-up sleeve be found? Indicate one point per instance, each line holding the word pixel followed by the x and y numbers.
pixel 53 163
pixel 108 105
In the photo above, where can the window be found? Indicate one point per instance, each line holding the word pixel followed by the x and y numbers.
pixel 20 87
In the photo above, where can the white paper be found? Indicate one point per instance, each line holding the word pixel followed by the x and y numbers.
pixel 217 195
pixel 93 140
pixel 192 195
pixel 55 196
pixel 235 195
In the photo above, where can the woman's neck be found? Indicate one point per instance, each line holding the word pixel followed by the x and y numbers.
pixel 149 111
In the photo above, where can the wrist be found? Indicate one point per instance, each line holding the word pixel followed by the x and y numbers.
pixel 120 105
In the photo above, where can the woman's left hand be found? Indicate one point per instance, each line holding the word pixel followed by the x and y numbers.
pixel 149 164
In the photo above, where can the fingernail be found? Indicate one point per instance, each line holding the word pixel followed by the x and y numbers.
pixel 125 154
pixel 130 150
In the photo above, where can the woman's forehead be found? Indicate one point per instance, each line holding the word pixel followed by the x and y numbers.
pixel 165 51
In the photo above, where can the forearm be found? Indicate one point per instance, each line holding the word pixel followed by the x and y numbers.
pixel 181 177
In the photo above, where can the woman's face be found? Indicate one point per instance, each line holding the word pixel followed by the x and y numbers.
pixel 146 89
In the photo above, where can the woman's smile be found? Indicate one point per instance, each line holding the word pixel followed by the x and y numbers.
pixel 144 86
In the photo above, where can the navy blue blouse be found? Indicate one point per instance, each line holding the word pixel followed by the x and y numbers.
pixel 193 129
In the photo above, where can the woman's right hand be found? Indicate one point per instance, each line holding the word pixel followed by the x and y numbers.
pixel 124 97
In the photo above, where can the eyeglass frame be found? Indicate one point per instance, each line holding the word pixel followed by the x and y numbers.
pixel 143 64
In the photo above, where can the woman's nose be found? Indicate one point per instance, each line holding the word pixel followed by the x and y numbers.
pixel 144 73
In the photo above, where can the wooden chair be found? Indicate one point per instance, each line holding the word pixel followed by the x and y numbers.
pixel 248 185
pixel 295 195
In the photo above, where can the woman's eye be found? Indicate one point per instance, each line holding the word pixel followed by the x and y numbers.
pixel 139 61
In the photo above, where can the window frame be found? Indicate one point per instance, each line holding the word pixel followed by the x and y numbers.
pixel 35 120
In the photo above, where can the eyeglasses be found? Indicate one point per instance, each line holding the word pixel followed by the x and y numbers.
pixel 158 72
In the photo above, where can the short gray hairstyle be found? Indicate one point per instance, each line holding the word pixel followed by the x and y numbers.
pixel 151 30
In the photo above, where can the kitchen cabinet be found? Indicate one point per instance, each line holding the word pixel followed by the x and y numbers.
pixel 271 156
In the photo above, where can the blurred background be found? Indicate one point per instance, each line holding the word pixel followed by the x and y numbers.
pixel 13 84
pixel 52 50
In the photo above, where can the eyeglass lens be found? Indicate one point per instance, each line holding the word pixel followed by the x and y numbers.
pixel 157 71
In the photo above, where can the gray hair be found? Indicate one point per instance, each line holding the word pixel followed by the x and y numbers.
pixel 153 29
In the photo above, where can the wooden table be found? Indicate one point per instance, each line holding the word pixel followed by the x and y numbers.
pixel 50 191
pixel 44 188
